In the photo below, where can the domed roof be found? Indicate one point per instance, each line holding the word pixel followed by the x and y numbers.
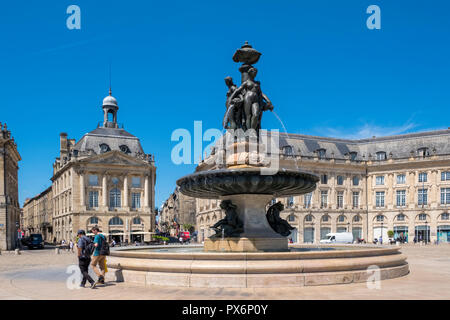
pixel 110 101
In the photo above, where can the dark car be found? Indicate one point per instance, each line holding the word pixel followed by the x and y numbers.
pixel 35 241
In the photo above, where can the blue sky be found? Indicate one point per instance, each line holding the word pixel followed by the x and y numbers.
pixel 326 73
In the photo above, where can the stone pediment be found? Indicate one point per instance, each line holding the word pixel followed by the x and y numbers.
pixel 115 158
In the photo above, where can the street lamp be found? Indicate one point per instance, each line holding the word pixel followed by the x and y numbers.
pixel 426 231
pixel 381 236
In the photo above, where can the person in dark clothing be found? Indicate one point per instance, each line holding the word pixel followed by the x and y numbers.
pixel 84 259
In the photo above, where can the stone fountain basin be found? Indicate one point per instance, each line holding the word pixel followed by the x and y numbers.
pixel 346 264
pixel 217 183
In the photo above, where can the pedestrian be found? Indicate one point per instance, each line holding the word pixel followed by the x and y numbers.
pixel 71 246
pixel 54 240
pixel 84 258
pixel 181 240
pixel 97 258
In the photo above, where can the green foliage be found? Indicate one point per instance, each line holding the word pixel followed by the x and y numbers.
pixel 390 233
pixel 161 238
pixel 189 227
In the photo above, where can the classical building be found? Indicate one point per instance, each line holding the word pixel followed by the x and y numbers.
pixel 38 214
pixel 367 187
pixel 104 179
pixel 177 211
pixel 9 193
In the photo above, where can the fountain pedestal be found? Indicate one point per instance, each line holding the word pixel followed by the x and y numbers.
pixel 258 235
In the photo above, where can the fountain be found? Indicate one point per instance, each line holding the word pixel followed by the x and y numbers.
pixel 250 247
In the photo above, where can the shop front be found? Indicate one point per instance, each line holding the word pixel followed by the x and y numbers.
pixel 422 233
pixel 443 233
pixel 401 232
pixel 308 235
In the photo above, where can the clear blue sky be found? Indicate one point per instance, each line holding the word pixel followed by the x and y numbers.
pixel 326 73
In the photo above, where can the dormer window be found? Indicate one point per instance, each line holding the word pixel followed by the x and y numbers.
pixel 287 151
pixel 423 152
pixel 321 153
pixel 353 155
pixel 124 149
pixel 104 148
pixel 381 155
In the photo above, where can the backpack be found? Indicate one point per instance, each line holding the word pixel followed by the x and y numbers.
pixel 104 247
pixel 88 248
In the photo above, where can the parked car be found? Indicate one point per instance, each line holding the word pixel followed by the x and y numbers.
pixel 34 241
pixel 338 237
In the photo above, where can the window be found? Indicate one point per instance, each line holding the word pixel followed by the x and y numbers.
pixel 423 152
pixel 444 216
pixel 401 198
pixel 423 177
pixel 379 199
pixel 379 180
pixel 309 218
pixel 340 199
pixel 104 148
pixel 380 218
pixel 287 151
pixel 324 179
pixel 340 180
pixel 445 176
pixel 290 202
pixel 422 197
pixel 116 221
pixel 291 217
pixel 356 218
pixel 114 198
pixel 445 195
pixel 341 218
pixel 136 220
pixel 325 218
pixel 136 182
pixel 93 199
pixel 321 153
pixel 422 217
pixel 93 220
pixel 273 201
pixel 355 180
pixel 401 179
pixel 135 200
pixel 355 199
pixel 353 156
pixel 124 149
pixel 93 180
pixel 381 155
pixel 401 217
pixel 115 181
pixel 307 200
pixel 323 199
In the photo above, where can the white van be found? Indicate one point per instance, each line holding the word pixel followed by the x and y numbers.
pixel 340 237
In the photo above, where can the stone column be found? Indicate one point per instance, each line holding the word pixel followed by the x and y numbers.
pixel 82 190
pixel 104 192
pixel 125 193
pixel 146 192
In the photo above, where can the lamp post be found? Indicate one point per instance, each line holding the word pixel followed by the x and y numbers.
pixel 426 231
pixel 381 236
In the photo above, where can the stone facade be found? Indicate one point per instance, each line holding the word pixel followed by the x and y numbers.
pixel 9 192
pixel 104 179
pixel 38 215
pixel 368 187
pixel 178 210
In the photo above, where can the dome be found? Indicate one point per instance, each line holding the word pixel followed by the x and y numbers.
pixel 110 101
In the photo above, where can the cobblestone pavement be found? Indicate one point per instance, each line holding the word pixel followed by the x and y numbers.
pixel 42 274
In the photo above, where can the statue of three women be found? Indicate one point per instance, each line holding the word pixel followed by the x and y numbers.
pixel 245 104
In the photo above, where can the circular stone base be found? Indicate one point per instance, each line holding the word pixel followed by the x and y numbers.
pixel 245 244
pixel 349 264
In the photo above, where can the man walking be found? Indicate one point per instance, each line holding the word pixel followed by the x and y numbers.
pixel 98 259
pixel 84 258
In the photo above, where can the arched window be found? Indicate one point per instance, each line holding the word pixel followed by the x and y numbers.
pixel 423 152
pixel 380 218
pixel 93 220
pixel 116 221
pixel 325 218
pixel 356 219
pixel 381 155
pixel 114 198
pixel 104 148
pixel 341 218
pixel 321 153
pixel 444 216
pixel 291 217
pixel 353 155
pixel 309 218
pixel 422 216
pixel 136 220
pixel 287 151
pixel 401 217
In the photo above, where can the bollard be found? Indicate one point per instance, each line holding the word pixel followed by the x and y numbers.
pixel 56 250
pixel 17 252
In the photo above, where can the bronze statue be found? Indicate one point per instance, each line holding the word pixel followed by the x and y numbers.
pixel 279 225
pixel 234 113
pixel 245 104
pixel 231 225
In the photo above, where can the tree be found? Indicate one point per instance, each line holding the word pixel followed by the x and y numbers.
pixel 390 234
pixel 189 227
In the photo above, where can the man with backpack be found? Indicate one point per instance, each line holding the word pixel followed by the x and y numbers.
pixel 99 256
pixel 85 248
